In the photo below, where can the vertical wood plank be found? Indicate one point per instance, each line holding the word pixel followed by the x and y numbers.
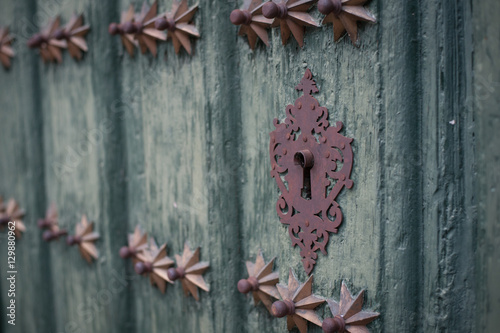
pixel 179 145
pixel 370 89
pixel 85 174
pixel 22 177
pixel 486 112
pixel 447 166
pixel 182 128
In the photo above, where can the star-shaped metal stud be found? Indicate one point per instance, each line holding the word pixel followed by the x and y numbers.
pixel 51 217
pixel 143 28
pixel 177 22
pixel 2 205
pixel 12 213
pixel 345 14
pixel 73 33
pixel 51 222
pixel 261 281
pixel 297 303
pixel 251 21
pixel 85 237
pixel 291 16
pixel 190 271
pixel 154 262
pixel 48 45
pixel 6 51
pixel 117 29
pixel 137 242
pixel 347 314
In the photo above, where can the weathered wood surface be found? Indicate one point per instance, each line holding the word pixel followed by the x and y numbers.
pixel 486 105
pixel 23 177
pixel 179 144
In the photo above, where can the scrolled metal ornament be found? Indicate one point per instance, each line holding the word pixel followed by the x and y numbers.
pixel 311 163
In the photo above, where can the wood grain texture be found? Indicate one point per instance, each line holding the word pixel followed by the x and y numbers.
pixel 22 177
pixel 179 145
pixel 447 162
pixel 84 175
pixel 182 122
pixel 485 104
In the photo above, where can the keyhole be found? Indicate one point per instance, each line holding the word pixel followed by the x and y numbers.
pixel 305 159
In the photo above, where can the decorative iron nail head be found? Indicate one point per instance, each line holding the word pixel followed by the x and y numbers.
pixel 12 212
pixel 73 34
pixel 137 242
pixel 143 28
pixel 347 314
pixel 345 16
pixel 190 271
pixel 291 16
pixel 128 40
pixel 154 262
pixel 6 51
pixel 49 47
pixel 297 303
pixel 177 23
pixel 252 22
pixel 85 237
pixel 261 281
pixel 51 223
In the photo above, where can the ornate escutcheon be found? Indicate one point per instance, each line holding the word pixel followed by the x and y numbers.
pixel 311 163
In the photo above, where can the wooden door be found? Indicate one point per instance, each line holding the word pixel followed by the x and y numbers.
pixel 179 145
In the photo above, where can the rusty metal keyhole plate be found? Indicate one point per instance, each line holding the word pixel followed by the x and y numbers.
pixel 311 163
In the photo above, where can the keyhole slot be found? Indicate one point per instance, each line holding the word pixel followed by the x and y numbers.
pixel 305 159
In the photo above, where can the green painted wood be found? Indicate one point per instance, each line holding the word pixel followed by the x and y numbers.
pixel 447 163
pixel 184 141
pixel 22 170
pixel 179 145
pixel 86 175
pixel 485 105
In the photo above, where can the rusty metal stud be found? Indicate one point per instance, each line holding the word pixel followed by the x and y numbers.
pixel 137 242
pixel 51 222
pixel 347 314
pixel 251 21
pixel 345 14
pixel 261 281
pixel 307 203
pixel 49 47
pixel 51 218
pixel 73 33
pixel 85 237
pixel 143 28
pixel 53 234
pixel 12 212
pixel 291 16
pixel 154 262
pixel 117 29
pixel 177 23
pixel 190 271
pixel 6 51
pixel 297 303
